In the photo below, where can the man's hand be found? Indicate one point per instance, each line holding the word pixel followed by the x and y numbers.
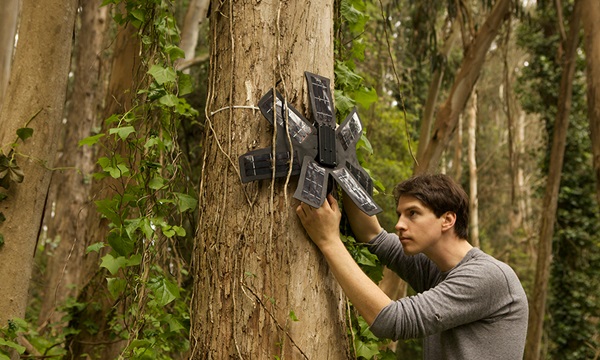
pixel 323 227
pixel 322 224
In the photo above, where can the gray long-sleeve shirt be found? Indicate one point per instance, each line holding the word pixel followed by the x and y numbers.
pixel 477 310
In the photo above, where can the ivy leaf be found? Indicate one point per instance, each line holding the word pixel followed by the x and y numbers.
pixel 156 183
pixel 184 83
pixel 120 241
pixel 169 100
pixel 123 132
pixel 365 96
pixel 174 324
pixel 116 286
pixel 113 264
pixel 20 349
pixel 185 202
pixel 174 52
pixel 343 103
pixel 366 350
pixel 164 291
pixel 90 140
pixel 162 75
pixel 1 240
pixel 24 133
pixel 94 247
pixel 2 218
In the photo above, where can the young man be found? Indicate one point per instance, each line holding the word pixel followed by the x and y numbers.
pixel 469 305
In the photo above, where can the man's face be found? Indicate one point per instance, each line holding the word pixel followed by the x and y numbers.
pixel 418 228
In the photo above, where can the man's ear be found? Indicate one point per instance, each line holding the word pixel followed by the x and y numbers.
pixel 448 220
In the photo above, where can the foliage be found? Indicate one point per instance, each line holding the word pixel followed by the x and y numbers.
pixel 573 305
pixel 148 214
pixel 150 210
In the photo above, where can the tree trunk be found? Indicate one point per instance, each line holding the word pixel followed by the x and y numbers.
pixel 256 272
pixel 447 117
pixel 194 16
pixel 537 306
pixel 101 343
pixel 70 190
pixel 9 13
pixel 473 199
pixel 434 90
pixel 591 27
pixel 37 87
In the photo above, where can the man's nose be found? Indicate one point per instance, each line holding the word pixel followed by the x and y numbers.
pixel 400 225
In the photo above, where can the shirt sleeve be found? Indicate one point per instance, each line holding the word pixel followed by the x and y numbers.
pixel 473 292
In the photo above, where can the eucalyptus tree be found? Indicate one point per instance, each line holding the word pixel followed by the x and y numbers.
pixel 31 118
pixel 261 289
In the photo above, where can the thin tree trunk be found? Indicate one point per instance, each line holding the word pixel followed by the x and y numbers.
pixel 537 306
pixel 36 100
pixel 9 13
pixel 447 117
pixel 473 198
pixel 70 195
pixel 255 270
pixel 458 150
pixel 591 26
pixel 434 90
pixel 194 16
pixel 101 308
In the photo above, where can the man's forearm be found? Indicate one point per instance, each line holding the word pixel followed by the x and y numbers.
pixel 364 294
pixel 364 227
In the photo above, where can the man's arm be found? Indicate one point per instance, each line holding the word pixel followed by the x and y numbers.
pixel 322 225
pixel 364 227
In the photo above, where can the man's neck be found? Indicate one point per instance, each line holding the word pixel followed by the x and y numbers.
pixel 448 252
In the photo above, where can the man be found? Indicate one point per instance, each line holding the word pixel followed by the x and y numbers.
pixel 469 305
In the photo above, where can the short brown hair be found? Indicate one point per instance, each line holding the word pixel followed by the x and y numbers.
pixel 441 194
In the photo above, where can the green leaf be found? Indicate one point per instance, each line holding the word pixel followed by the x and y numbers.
pixel 164 291
pixel 365 96
pixel 169 100
pixel 116 286
pixel 1 240
pixel 20 349
pixel 174 52
pixel 113 264
pixel 24 133
pixel 174 324
pixel 138 14
pixel 185 85
pixel 2 217
pixel 120 241
pixel 162 75
pixel 179 231
pixel 95 247
pixel 343 103
pixel 3 196
pixel 123 132
pixel 156 183
pixel 185 202
pixel 293 316
pixel 366 350
pixel 90 140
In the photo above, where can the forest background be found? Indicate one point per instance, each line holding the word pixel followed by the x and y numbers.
pixel 125 231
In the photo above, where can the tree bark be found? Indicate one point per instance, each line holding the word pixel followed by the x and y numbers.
pixel 537 306
pixel 473 198
pixel 253 263
pixel 38 85
pixel 591 27
pixel 447 117
pixel 71 190
pixel 9 13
